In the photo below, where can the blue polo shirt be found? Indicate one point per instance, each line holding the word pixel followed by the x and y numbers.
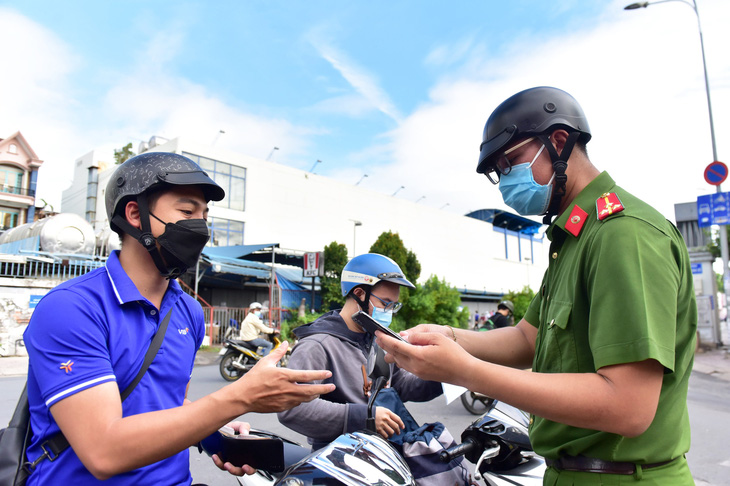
pixel 95 329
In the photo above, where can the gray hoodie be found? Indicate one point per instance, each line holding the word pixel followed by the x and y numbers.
pixel 328 344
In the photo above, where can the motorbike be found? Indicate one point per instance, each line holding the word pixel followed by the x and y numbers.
pixel 497 444
pixel 238 357
pixel 476 403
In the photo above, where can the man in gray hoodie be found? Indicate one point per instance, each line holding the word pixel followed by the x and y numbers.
pixel 371 283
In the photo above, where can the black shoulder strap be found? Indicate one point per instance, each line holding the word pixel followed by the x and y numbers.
pixel 150 356
pixel 57 443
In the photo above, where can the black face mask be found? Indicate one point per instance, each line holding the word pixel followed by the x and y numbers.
pixel 181 245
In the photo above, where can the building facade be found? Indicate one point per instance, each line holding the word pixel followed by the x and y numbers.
pixel 18 177
pixel 268 202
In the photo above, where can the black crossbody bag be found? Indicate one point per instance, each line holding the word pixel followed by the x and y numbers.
pixel 15 439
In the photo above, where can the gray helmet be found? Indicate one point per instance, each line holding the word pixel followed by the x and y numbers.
pixel 529 113
pixel 507 304
pixel 154 169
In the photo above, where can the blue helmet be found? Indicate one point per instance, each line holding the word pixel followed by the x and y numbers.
pixel 369 269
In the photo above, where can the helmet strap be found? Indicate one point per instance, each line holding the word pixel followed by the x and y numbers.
pixel 365 303
pixel 144 236
pixel 560 165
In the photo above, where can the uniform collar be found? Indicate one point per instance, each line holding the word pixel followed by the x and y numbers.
pixel 585 202
pixel 124 288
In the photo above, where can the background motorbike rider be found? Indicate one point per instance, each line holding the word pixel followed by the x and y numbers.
pixel 371 283
pixel 503 316
pixel 252 325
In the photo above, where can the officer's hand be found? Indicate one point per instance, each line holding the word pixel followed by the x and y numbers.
pixel 428 355
pixel 387 423
pixel 427 328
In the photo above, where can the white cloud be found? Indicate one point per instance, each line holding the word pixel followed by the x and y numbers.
pixel 145 101
pixel 363 82
pixel 450 54
pixel 36 96
pixel 638 76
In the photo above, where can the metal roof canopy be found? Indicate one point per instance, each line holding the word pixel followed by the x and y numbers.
pixel 507 220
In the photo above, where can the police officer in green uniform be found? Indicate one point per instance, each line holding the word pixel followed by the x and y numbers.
pixel 610 335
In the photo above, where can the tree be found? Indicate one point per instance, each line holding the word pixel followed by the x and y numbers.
pixel 335 259
pixel 391 245
pixel 124 153
pixel 434 302
pixel 521 299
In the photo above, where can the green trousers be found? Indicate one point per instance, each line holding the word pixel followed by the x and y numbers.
pixel 676 473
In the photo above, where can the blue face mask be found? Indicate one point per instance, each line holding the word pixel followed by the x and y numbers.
pixel 382 317
pixel 521 192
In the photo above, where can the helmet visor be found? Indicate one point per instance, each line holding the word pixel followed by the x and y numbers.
pixel 492 146
pixel 212 191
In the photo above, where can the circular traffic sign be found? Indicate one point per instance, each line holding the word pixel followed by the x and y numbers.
pixel 716 173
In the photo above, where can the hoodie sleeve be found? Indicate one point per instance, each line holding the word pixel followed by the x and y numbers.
pixel 413 389
pixel 322 420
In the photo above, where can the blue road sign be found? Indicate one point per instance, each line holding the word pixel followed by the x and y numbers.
pixel 713 209
pixel 716 173
pixel 33 301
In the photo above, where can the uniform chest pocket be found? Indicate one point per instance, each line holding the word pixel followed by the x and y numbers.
pixel 556 350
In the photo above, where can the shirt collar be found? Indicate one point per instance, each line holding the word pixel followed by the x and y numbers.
pixel 124 288
pixel 586 200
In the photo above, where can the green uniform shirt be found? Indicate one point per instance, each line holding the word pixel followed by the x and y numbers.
pixel 620 291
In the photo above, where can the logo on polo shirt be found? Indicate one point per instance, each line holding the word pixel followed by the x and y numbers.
pixel 184 332
pixel 67 366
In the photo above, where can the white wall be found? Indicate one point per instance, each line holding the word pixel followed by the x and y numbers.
pixel 305 211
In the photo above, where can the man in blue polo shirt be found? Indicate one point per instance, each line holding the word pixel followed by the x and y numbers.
pixel 88 338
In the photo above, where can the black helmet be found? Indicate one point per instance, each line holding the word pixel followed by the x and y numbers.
pixel 535 112
pixel 529 113
pixel 133 181
pixel 153 169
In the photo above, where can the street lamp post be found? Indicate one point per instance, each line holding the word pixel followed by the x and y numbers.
pixel 355 224
pixel 723 232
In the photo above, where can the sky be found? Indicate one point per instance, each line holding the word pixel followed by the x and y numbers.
pixel 398 90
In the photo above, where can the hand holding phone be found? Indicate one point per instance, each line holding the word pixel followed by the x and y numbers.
pixel 371 325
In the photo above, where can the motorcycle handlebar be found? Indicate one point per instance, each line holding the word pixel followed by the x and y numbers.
pixel 458 450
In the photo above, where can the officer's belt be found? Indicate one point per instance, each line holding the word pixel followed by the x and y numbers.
pixel 588 464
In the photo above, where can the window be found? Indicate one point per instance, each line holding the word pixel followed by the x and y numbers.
pixel 8 219
pixel 230 177
pixel 225 232
pixel 11 180
pixel 12 148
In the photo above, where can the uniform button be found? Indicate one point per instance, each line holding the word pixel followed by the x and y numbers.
pixel 552 323
pixel 153 312
pixel 555 255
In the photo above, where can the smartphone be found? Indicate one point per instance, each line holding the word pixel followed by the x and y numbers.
pixel 371 325
pixel 260 451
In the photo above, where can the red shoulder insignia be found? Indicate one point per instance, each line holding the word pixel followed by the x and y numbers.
pixel 608 204
pixel 576 220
